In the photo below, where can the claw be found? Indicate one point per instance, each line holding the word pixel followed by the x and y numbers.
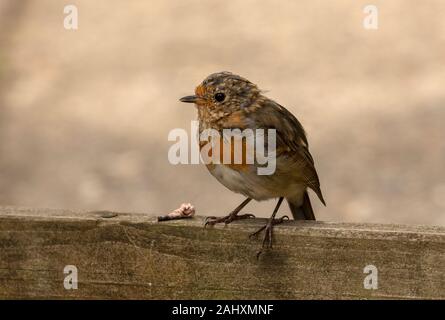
pixel 209 217
pixel 212 220
pixel 268 236
pixel 254 234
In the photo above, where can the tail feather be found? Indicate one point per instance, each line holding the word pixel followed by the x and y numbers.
pixel 303 211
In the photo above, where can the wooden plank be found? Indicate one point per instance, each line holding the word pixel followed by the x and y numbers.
pixel 132 256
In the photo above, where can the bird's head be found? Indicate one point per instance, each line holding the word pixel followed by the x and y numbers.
pixel 223 93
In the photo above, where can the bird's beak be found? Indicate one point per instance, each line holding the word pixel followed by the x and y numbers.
pixel 189 99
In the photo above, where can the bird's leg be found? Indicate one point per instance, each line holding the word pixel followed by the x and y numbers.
pixel 267 241
pixel 232 216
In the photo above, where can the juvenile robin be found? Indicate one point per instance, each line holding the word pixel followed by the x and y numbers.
pixel 227 101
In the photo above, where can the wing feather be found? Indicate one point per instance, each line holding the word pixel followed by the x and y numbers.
pixel 291 141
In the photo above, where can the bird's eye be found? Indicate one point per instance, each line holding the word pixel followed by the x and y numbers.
pixel 220 96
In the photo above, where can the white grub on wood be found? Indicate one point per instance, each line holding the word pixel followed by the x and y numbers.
pixel 186 210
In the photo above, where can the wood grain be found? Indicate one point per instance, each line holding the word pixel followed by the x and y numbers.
pixel 132 256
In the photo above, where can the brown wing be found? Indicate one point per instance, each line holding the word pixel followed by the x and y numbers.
pixel 291 141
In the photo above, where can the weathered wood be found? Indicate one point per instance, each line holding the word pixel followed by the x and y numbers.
pixel 133 256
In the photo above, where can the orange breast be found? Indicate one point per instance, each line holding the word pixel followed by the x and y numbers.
pixel 236 154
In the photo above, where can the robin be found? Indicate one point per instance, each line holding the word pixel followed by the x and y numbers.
pixel 227 101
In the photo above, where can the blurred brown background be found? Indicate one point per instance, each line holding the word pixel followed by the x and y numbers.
pixel 84 115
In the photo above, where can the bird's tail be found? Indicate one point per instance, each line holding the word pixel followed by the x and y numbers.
pixel 303 211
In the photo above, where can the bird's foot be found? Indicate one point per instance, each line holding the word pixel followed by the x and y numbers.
pixel 268 236
pixel 211 221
